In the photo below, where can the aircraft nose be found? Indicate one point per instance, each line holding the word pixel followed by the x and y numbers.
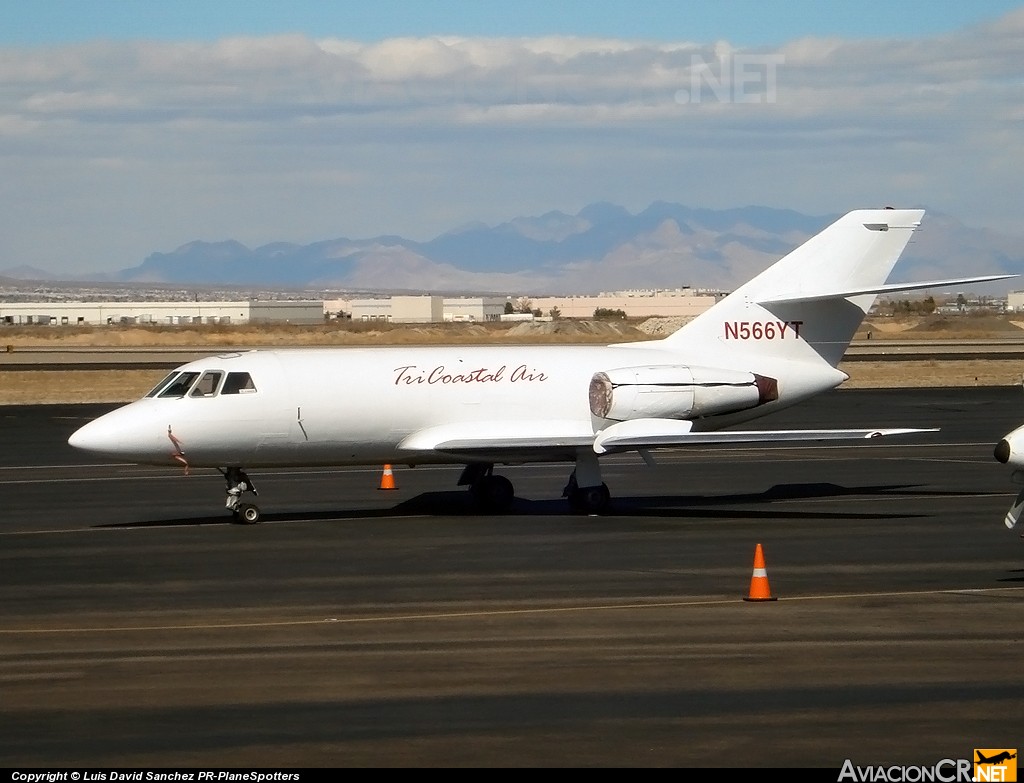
pixel 98 436
pixel 1002 451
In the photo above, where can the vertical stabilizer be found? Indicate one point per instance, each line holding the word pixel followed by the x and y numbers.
pixel 807 306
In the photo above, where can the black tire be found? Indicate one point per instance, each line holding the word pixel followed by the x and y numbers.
pixel 493 493
pixel 249 514
pixel 590 500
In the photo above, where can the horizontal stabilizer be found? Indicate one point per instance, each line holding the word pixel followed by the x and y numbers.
pixel 663 433
pixel 883 289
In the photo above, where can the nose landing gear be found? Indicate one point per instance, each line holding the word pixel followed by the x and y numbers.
pixel 239 483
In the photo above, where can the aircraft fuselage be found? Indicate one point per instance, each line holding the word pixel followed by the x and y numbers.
pixel 336 406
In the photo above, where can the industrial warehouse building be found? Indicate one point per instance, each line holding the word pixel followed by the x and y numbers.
pixel 640 303
pixel 423 309
pixel 394 309
pixel 1015 301
pixel 160 313
pixel 682 302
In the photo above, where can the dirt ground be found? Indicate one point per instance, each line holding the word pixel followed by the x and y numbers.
pixel 19 387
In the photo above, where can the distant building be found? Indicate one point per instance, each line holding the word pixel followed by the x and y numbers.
pixel 422 309
pixel 685 302
pixel 680 302
pixel 304 311
pixel 469 308
pixel 417 309
pixel 523 317
pixel 160 313
pixel 397 309
pixel 370 309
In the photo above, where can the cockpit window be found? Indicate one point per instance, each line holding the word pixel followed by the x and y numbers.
pixel 207 385
pixel 156 389
pixel 238 383
pixel 179 386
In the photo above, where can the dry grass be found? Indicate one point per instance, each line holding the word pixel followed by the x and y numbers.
pixel 978 326
pixel 331 333
pixel 378 333
pixel 45 387
pixel 918 374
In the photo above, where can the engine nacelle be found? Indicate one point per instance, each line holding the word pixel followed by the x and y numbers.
pixel 1010 450
pixel 676 392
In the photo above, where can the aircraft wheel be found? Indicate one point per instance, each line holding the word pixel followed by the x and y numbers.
pixel 249 514
pixel 590 500
pixel 494 493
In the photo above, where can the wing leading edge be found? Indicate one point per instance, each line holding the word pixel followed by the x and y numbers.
pixel 502 441
pixel 659 433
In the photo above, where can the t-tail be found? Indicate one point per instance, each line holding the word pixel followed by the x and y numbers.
pixel 792 324
pixel 808 306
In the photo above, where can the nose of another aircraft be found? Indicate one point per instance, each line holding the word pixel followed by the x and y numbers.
pixel 1002 451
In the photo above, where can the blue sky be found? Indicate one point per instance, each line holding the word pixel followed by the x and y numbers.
pixel 128 128
pixel 743 22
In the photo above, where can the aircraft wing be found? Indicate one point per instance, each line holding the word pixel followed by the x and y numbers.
pixel 502 441
pixel 665 433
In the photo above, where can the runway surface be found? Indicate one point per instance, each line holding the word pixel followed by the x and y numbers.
pixel 358 627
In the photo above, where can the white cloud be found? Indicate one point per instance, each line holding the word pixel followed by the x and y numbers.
pixel 114 150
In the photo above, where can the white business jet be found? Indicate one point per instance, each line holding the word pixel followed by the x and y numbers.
pixel 1010 451
pixel 775 341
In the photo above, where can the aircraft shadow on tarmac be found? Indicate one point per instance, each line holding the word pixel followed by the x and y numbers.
pixel 688 506
pixel 458 503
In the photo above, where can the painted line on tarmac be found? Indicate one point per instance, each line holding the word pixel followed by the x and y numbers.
pixel 493 613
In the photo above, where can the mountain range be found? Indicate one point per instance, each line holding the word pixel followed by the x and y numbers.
pixel 603 247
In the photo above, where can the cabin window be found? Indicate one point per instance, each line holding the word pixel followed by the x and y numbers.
pixel 179 386
pixel 160 386
pixel 238 383
pixel 207 386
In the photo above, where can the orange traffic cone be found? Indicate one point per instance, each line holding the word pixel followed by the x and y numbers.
pixel 387 481
pixel 759 590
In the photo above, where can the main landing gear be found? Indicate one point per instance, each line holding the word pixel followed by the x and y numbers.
pixel 585 491
pixel 238 484
pixel 586 500
pixel 490 493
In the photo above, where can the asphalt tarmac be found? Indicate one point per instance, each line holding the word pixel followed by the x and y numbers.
pixel 359 627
